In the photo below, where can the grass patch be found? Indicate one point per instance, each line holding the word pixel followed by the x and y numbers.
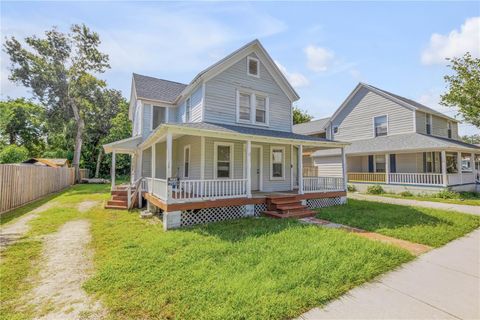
pixel 466 198
pixel 432 227
pixel 242 269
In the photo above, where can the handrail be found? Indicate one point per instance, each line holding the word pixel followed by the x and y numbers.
pixel 136 185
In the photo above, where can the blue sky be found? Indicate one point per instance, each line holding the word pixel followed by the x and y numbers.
pixel 325 48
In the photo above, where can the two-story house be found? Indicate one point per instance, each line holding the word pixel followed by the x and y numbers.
pixel 221 146
pixel 396 142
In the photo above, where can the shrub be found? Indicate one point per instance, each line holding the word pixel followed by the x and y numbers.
pixel 447 194
pixel 13 154
pixel 376 189
pixel 406 194
pixel 351 188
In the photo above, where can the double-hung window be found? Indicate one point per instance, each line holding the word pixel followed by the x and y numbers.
pixel 252 107
pixel 277 158
pixel 428 124
pixel 260 109
pixel 449 130
pixel 380 163
pixel 223 155
pixel 186 161
pixel 187 110
pixel 381 126
pixel 244 107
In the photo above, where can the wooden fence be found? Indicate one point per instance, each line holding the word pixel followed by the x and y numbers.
pixel 21 184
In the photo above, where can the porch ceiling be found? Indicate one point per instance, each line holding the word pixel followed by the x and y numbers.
pixel 128 145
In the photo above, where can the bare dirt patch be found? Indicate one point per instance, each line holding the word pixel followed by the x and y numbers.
pixel 86 205
pixel 65 265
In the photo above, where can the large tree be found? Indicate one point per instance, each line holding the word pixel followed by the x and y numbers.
pixel 60 69
pixel 463 88
pixel 301 116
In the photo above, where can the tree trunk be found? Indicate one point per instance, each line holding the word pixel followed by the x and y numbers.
pixel 13 139
pixel 99 161
pixel 78 141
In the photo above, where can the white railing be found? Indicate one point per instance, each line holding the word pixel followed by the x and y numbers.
pixel 320 184
pixel 416 178
pixel 194 190
pixel 159 188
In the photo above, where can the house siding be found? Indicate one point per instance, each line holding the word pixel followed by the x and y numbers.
pixel 147 120
pixel 147 163
pixel 329 166
pixel 355 121
pixel 195 157
pixel 439 126
pixel 196 99
pixel 221 98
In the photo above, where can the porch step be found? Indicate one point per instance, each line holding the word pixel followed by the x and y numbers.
pixel 297 214
pixel 117 203
pixel 119 193
pixel 286 206
pixel 115 207
pixel 115 197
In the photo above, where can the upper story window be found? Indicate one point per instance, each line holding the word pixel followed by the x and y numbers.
pixel 449 130
pixel 252 107
pixel 381 126
pixel 187 110
pixel 253 67
pixel 428 124
pixel 335 129
pixel 159 116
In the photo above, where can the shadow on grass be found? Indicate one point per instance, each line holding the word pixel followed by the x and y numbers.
pixel 241 229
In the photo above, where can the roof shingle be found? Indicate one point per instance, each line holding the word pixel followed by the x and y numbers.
pixel 157 89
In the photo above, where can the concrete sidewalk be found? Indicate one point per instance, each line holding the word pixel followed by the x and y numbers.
pixel 441 284
pixel 417 203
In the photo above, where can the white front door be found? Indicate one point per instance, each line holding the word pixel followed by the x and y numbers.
pixel 255 169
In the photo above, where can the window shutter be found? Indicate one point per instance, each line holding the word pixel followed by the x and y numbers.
pixel 393 163
pixel 370 163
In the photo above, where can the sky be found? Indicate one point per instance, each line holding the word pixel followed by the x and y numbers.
pixel 324 48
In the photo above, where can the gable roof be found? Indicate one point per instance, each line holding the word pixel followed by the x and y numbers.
pixel 151 88
pixel 311 127
pixel 405 102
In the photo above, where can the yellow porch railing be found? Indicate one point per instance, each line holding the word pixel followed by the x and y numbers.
pixel 366 176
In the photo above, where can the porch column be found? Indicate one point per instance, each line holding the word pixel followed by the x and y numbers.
pixel 112 173
pixel 459 166
pixel 444 168
pixel 387 168
pixel 169 155
pixel 300 169
pixel 154 158
pixel 249 169
pixel 344 169
pixel 472 165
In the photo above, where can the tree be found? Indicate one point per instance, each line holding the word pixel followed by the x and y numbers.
pixel 13 154
pixel 59 69
pixel 464 88
pixel 473 139
pixel 22 123
pixel 300 116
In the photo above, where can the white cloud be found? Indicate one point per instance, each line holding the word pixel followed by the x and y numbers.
pixel 454 44
pixel 296 79
pixel 319 59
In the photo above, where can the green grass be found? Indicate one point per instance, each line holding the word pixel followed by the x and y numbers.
pixel 432 227
pixel 466 198
pixel 253 268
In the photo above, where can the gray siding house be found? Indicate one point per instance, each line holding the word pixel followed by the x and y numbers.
pixel 396 142
pixel 221 146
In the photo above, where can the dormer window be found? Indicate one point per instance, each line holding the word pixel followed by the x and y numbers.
pixel 428 124
pixel 449 130
pixel 253 67
pixel 381 126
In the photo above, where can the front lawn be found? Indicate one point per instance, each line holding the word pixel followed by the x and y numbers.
pixel 432 227
pixel 466 198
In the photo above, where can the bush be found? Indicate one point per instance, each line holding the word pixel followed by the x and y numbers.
pixel 406 194
pixel 447 194
pixel 376 189
pixel 13 154
pixel 351 188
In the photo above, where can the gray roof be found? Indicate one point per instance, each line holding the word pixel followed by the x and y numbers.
pixel 311 127
pixel 249 131
pixel 410 102
pixel 405 142
pixel 157 89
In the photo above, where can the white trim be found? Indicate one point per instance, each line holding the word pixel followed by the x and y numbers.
pixel 271 162
pixel 253 107
pixel 189 160
pixel 202 157
pixel 203 101
pixel 291 167
pixel 249 58
pixel 373 121
pixel 151 118
pixel 260 154
pixel 414 120
pixel 215 158
pixel 189 100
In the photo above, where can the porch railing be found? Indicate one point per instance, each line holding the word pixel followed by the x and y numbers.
pixel 367 177
pixel 416 178
pixel 320 184
pixel 192 190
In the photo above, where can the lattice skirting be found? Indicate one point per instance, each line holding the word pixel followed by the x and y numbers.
pixel 191 217
pixel 259 208
pixel 325 202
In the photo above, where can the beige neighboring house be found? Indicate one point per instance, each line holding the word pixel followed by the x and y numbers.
pixel 395 142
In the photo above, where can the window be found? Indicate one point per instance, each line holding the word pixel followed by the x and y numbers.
pixel 244 108
pixel 260 109
pixel 431 162
pixel 449 130
pixel 451 162
pixel 335 129
pixel 380 163
pixel 159 116
pixel 393 163
pixel 253 67
pixel 186 161
pixel 223 160
pixel 277 166
pixel 466 162
pixel 187 110
pixel 428 124
pixel 381 126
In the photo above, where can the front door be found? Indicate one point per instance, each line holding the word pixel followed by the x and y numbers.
pixel 255 173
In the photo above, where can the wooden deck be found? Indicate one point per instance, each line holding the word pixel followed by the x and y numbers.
pixel 257 198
